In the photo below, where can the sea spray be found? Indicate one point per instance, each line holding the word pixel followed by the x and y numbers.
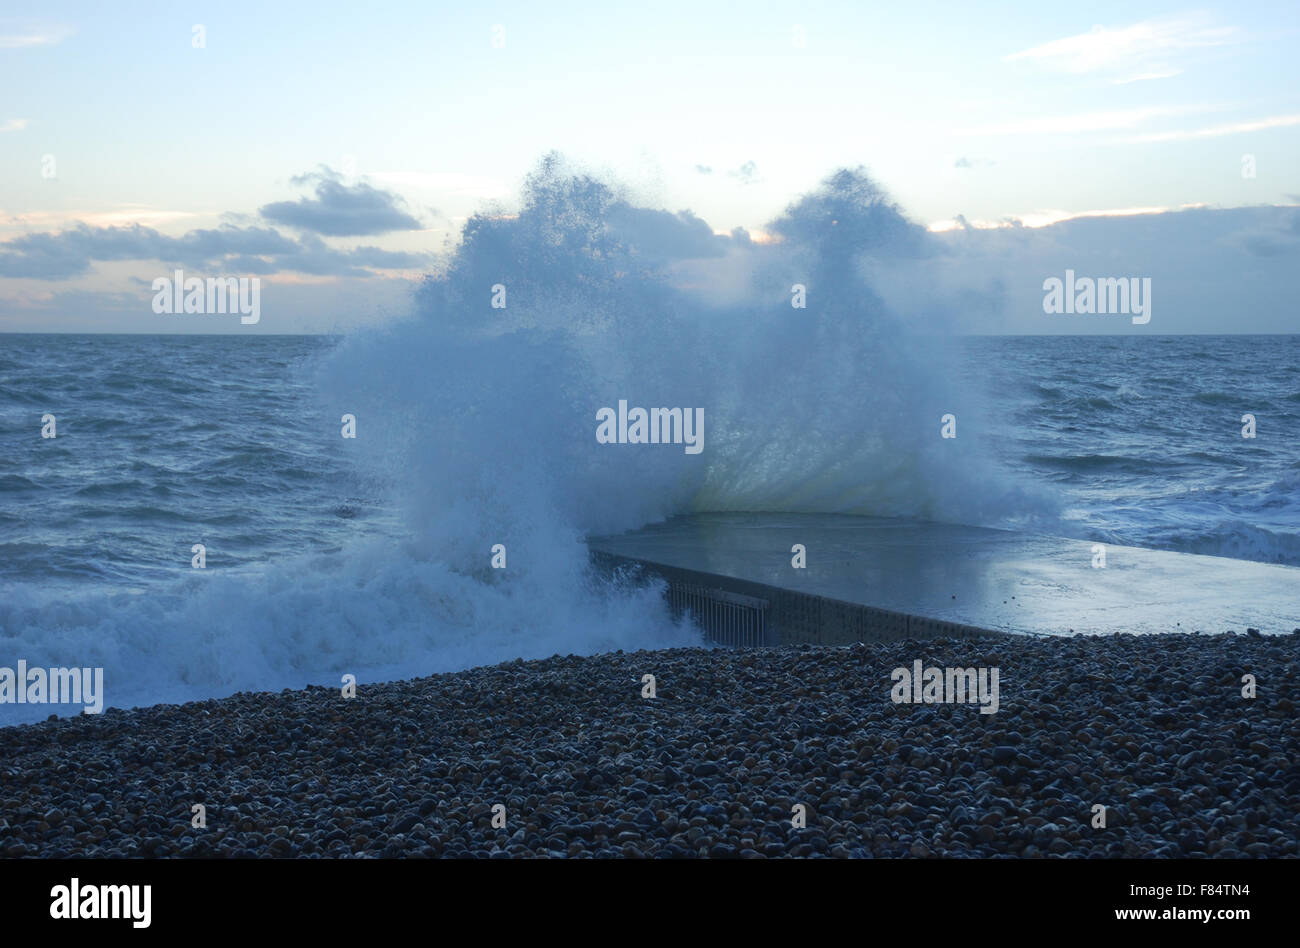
pixel 475 422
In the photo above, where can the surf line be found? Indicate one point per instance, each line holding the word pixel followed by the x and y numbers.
pixel 683 426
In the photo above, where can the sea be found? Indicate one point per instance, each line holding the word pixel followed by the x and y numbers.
pixel 325 556
pixel 205 514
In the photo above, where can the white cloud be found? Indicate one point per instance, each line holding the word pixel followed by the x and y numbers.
pixel 13 125
pixel 1146 45
pixel 124 216
pixel 1047 218
pixel 1235 128
pixel 1147 76
pixel 1085 122
pixel 36 36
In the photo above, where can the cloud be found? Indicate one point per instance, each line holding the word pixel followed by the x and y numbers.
pixel 1268 245
pixel 1147 45
pixel 234 247
pixel 1147 76
pixel 662 235
pixel 289 305
pixel 1270 236
pixel 13 125
pixel 315 257
pixel 746 173
pixel 341 210
pixel 122 215
pixel 70 252
pixel 1235 128
pixel 1046 218
pixel 260 250
pixel 252 266
pixel 35 36
pixel 966 163
pixel 1213 270
pixel 1082 122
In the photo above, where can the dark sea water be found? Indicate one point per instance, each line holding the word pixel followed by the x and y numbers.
pixel 163 442
pixel 166 441
pixel 1142 436
pixel 326 555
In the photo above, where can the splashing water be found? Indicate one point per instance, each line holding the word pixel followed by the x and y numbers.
pixel 476 426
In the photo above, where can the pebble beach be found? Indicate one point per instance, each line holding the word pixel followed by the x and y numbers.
pixel 732 749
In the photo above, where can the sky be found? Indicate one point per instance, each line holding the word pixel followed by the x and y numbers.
pixel 335 150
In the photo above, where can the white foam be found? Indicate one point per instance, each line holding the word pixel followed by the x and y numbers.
pixel 481 422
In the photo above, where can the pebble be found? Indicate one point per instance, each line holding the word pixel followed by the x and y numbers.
pixel 1153 728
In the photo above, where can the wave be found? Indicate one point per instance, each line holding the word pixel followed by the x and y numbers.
pixel 1236 539
pixel 478 423
pixel 1217 398
pixel 1090 463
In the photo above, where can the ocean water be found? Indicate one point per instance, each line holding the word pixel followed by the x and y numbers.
pixel 1141 437
pixel 167 441
pixel 475 426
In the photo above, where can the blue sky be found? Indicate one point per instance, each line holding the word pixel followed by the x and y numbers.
pixel 990 111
